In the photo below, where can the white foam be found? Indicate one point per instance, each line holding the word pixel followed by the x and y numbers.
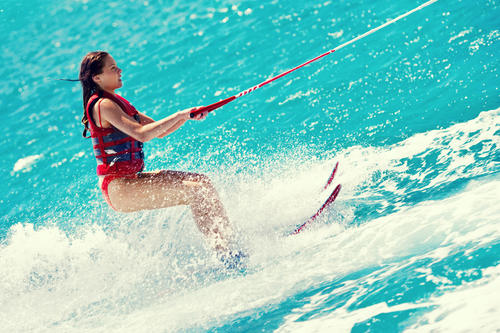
pixel 299 95
pixel 472 307
pixel 342 320
pixel 454 146
pixel 144 274
pixel 420 232
pixel 94 274
pixel 460 35
pixel 25 164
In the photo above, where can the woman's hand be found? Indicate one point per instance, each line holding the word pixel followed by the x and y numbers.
pixel 187 113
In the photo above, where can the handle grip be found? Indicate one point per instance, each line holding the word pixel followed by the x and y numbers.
pixel 211 107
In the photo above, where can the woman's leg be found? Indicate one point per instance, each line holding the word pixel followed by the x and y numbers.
pixel 152 190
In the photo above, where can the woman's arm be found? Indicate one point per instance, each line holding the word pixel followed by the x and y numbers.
pixel 147 120
pixel 112 114
pixel 172 129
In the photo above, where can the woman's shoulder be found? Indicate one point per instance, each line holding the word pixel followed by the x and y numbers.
pixel 103 110
pixel 116 104
pixel 107 104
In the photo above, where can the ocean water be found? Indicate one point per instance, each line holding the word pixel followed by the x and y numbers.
pixel 412 113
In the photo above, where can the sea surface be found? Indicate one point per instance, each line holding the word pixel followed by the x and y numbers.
pixel 412 114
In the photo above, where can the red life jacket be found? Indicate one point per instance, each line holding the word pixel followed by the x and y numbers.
pixel 116 152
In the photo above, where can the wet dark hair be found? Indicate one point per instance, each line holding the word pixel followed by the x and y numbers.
pixel 91 65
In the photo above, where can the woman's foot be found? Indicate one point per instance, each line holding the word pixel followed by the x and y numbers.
pixel 234 260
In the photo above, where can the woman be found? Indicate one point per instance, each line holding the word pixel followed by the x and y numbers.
pixel 118 131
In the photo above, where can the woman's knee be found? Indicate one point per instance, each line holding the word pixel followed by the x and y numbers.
pixel 123 209
pixel 201 183
pixel 201 179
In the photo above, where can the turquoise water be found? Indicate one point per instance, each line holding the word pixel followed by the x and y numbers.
pixel 411 112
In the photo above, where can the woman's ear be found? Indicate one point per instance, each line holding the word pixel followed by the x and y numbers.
pixel 96 79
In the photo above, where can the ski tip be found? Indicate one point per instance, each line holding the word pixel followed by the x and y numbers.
pixel 332 175
pixel 327 204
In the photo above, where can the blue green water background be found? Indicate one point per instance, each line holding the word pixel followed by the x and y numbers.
pixel 411 112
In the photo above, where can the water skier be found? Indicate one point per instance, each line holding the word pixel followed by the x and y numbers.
pixel 118 131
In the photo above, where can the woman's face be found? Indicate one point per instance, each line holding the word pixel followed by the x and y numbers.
pixel 110 78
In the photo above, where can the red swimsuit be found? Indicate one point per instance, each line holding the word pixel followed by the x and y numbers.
pixel 118 155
